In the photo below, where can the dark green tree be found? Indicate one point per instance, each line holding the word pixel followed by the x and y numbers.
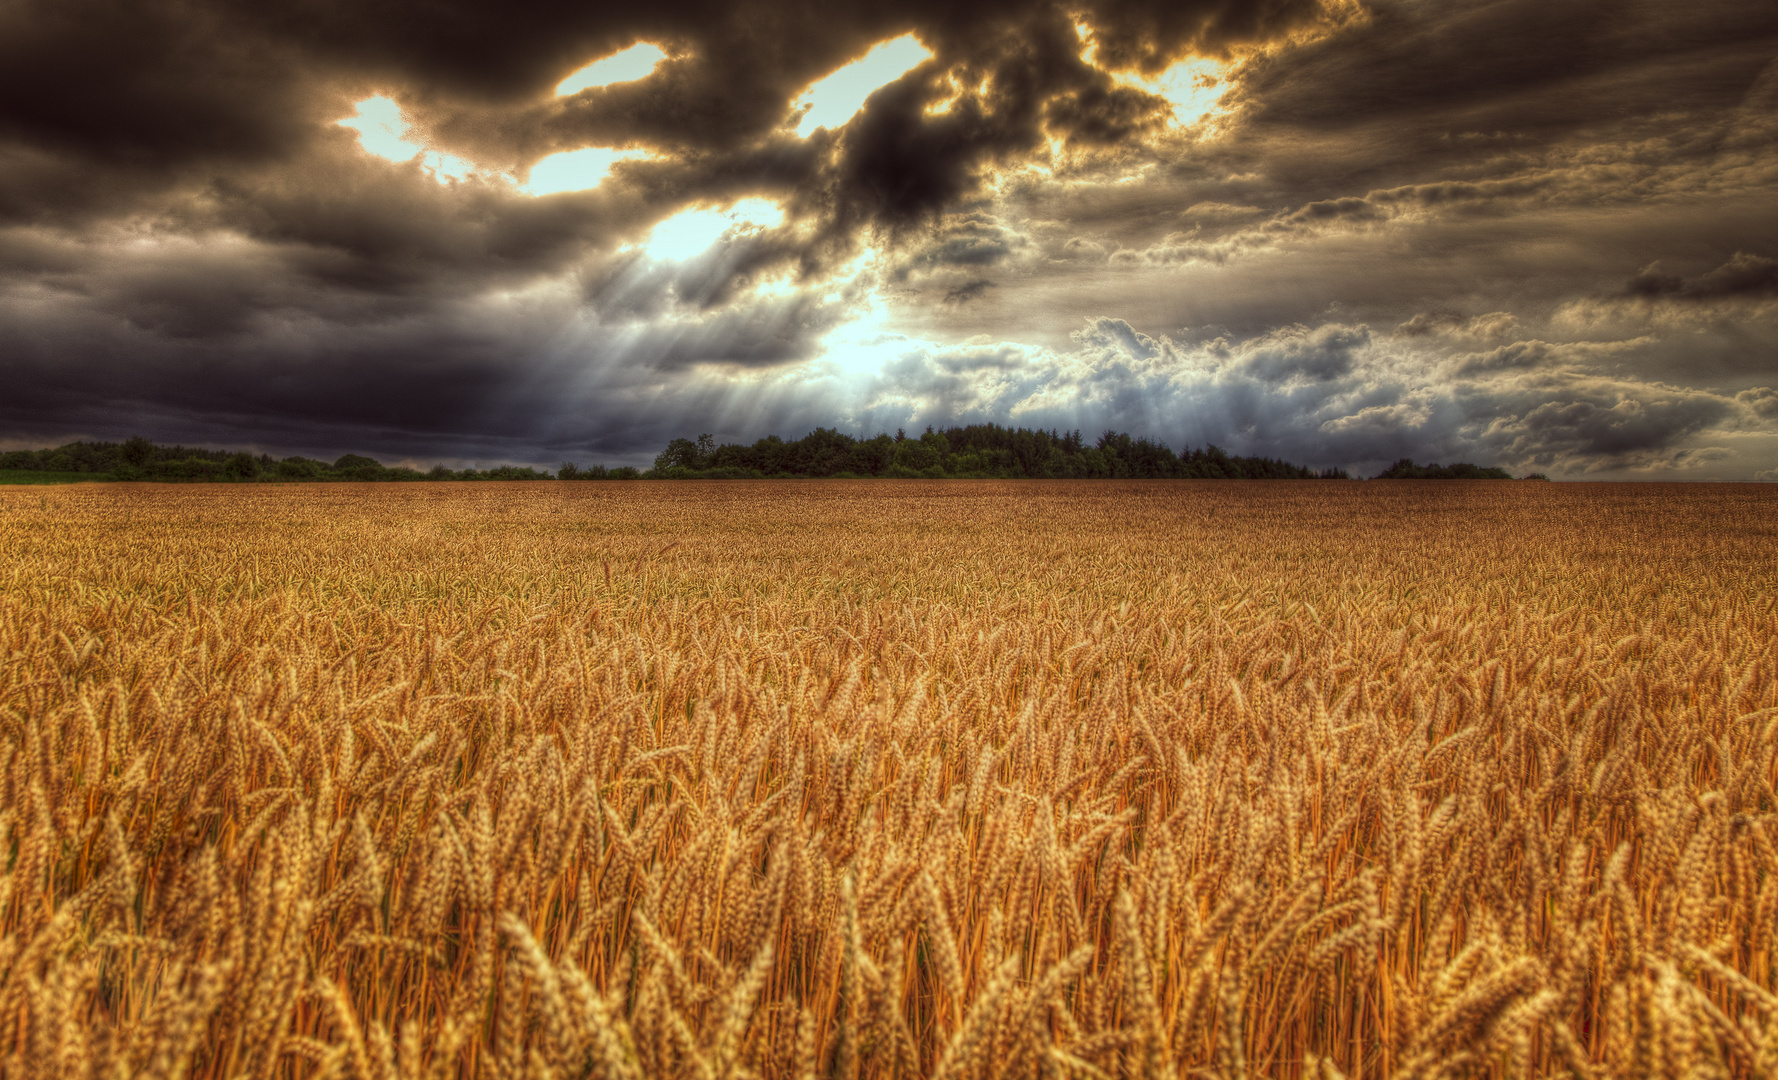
pixel 241 466
pixel 358 467
pixel 679 454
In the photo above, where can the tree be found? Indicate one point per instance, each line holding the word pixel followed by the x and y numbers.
pixel 358 467
pixel 679 454
pixel 916 454
pixel 1405 469
pixel 241 466
pixel 976 450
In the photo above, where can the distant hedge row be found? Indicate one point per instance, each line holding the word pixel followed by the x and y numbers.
pixel 984 451
pixel 139 459
pixel 980 451
pixel 1405 469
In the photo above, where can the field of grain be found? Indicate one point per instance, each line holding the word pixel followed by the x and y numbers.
pixel 858 779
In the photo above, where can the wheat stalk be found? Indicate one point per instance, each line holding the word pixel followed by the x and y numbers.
pixel 1041 780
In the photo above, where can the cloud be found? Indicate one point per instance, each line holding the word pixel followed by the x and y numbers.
pixel 1298 354
pixel 1347 209
pixel 1589 425
pixel 1487 327
pixel 1520 354
pixel 965 240
pixel 971 290
pixel 1761 401
pixel 1115 338
pixel 1543 355
pixel 1220 213
pixel 1379 420
pixel 1744 275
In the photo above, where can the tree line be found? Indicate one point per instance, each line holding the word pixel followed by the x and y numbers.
pixel 1405 469
pixel 977 451
pixel 140 459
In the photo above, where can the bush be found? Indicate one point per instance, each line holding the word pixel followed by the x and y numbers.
pixel 731 474
pixel 1405 469
pixel 299 468
pixel 358 467
pixel 241 467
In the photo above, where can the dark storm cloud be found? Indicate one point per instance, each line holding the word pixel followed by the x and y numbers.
pixel 191 247
pixel 970 243
pixel 1744 275
pixel 968 291
pixel 1453 81
pixel 197 116
pixel 164 88
pixel 1149 36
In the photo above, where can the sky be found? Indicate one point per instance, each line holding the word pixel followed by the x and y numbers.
pixel 1540 235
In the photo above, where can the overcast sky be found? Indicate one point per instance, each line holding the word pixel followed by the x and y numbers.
pixel 1524 233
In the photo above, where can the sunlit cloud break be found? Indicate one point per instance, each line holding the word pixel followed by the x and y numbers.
pixel 692 232
pixel 1194 87
pixel 576 170
pixel 831 101
pixel 385 132
pixel 636 62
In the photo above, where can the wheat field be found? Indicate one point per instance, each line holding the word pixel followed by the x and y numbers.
pixel 899 779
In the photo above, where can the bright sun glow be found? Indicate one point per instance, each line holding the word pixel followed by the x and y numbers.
pixel 385 132
pixel 1195 87
pixel 635 62
pixel 835 99
pixel 690 233
pixel 382 130
pixel 576 170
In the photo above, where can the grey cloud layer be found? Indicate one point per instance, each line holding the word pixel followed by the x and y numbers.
pixel 1332 394
pixel 1540 235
